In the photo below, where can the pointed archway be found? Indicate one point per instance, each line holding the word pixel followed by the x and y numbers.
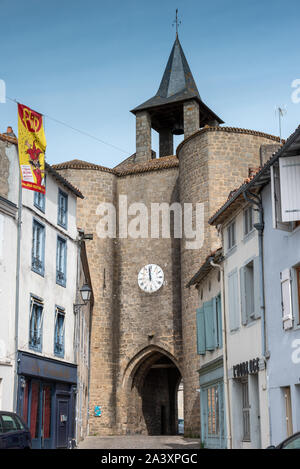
pixel 151 380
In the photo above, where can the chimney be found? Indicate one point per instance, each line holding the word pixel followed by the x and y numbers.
pixel 9 132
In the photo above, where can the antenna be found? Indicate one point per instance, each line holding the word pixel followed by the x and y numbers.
pixel 281 112
pixel 176 22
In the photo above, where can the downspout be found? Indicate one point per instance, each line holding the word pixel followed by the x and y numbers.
pixel 260 228
pixel 224 336
pixel 17 303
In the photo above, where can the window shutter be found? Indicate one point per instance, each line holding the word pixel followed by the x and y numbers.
pixel 289 188
pixel 209 325
pixel 215 325
pixel 286 299
pixel 257 292
pixel 243 295
pixel 200 331
pixel 234 320
pixel 276 201
pixel 219 316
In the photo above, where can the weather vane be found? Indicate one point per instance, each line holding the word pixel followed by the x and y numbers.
pixel 176 22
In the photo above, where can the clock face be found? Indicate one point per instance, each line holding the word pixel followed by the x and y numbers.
pixel 150 278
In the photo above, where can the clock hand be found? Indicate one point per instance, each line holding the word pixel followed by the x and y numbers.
pixel 150 273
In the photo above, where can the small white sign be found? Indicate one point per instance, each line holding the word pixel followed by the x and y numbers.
pixel 27 173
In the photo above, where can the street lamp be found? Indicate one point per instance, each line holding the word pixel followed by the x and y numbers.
pixel 86 292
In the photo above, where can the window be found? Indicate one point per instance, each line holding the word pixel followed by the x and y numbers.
pixel 248 220
pixel 38 248
pixel 61 261
pixel 250 291
pixel 39 200
pixel 248 273
pixel 62 219
pixel 59 333
pixel 36 324
pixel 10 423
pixel 246 411
pixel 231 240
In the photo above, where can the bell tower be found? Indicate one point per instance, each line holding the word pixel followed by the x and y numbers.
pixel 176 109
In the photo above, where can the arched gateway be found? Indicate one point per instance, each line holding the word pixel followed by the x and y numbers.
pixel 151 382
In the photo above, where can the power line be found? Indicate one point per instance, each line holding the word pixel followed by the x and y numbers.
pixel 77 130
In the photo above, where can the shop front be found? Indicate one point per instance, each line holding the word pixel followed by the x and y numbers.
pixel 46 400
pixel 213 424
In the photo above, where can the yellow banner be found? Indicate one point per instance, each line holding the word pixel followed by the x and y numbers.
pixel 32 146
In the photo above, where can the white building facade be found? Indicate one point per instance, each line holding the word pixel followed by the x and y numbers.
pixel 41 323
pixel 246 364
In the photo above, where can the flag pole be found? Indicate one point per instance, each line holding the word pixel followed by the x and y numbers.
pixel 17 304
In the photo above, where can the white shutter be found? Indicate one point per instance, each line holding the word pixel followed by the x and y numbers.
pixel 276 201
pixel 286 299
pixel 289 187
pixel 233 301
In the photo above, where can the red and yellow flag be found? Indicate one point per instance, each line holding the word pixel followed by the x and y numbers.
pixel 32 146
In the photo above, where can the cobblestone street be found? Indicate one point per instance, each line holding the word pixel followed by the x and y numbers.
pixel 139 442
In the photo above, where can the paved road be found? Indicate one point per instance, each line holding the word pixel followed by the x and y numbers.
pixel 139 442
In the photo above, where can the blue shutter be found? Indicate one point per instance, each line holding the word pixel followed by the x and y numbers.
pixel 200 331
pixel 219 318
pixel 215 325
pixel 209 325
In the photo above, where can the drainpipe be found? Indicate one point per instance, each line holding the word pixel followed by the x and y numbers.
pixel 260 228
pixel 17 303
pixel 224 336
pixel 256 201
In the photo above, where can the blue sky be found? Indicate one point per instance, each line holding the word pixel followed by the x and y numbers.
pixel 87 63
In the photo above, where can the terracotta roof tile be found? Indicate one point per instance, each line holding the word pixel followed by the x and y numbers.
pixel 130 168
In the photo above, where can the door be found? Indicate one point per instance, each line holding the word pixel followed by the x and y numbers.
pixel 38 406
pixel 62 422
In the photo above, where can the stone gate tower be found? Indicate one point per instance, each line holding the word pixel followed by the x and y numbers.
pixel 144 343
